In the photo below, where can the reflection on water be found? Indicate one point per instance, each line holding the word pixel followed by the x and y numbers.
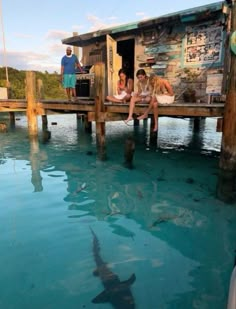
pixel 159 221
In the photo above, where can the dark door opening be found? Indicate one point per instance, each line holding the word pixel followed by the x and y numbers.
pixel 125 49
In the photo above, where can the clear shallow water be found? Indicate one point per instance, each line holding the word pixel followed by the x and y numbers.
pixel 160 220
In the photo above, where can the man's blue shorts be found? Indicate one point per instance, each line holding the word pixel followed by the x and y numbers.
pixel 69 80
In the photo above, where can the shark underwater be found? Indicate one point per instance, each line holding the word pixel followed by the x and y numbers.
pixel 115 292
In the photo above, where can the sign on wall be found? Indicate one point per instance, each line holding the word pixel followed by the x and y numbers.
pixel 203 45
pixel 214 83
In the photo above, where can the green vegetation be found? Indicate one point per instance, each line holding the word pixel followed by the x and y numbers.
pixel 52 88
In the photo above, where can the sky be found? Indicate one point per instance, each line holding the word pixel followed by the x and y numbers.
pixel 31 31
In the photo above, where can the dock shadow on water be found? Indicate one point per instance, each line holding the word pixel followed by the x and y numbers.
pixel 155 229
pixel 116 292
pixel 129 150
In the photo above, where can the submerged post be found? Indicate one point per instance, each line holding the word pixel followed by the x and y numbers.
pixel 36 178
pixel 99 84
pixel 31 103
pixel 12 120
pixel 226 189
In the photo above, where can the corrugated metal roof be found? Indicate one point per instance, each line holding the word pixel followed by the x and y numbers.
pixel 196 10
pixel 125 27
pixel 99 35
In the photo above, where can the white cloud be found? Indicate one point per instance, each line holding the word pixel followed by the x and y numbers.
pixel 140 13
pixel 57 34
pixel 28 60
pixel 77 28
pixel 112 18
pixel 98 24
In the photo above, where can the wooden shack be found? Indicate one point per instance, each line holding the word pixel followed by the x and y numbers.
pixel 186 47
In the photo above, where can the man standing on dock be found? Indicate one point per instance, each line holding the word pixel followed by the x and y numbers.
pixel 69 64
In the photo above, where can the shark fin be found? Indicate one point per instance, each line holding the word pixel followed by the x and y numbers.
pixel 103 297
pixel 130 281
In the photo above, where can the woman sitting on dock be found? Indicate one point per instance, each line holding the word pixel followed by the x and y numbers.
pixel 143 95
pixel 124 88
pixel 162 93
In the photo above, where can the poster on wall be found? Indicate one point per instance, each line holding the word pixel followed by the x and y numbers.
pixel 203 45
pixel 214 83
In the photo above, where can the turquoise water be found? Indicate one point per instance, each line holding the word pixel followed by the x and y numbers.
pixel 159 221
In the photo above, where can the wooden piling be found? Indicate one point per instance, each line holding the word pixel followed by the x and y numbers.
pixel 136 122
pixel 196 124
pixel 226 188
pixel 99 84
pixel 36 178
pixel 46 133
pixel 12 120
pixel 31 103
pixel 87 124
pixel 44 122
pixel 40 89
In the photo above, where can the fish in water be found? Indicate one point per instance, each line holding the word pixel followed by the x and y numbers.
pixel 116 292
pixel 82 187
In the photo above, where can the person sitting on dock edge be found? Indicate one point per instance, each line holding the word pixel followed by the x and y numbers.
pixel 143 95
pixel 163 93
pixel 124 88
pixel 69 64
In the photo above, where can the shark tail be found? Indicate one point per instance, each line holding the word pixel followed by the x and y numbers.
pixel 95 240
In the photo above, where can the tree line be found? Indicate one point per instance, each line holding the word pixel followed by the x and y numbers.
pixel 52 88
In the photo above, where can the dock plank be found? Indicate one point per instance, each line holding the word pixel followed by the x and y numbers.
pixel 88 106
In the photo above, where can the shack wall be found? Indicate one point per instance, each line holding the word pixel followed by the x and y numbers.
pixel 189 52
pixel 188 55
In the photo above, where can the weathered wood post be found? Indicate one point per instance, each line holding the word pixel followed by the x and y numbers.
pixel 136 122
pixel 99 84
pixel 46 132
pixel 226 188
pixel 44 122
pixel 36 178
pixel 40 89
pixel 31 104
pixel 87 124
pixel 12 120
pixel 40 95
pixel 196 124
pixel 153 135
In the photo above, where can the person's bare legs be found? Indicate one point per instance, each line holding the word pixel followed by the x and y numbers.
pixel 132 102
pixel 145 115
pixel 68 94
pixel 74 98
pixel 155 114
pixel 131 109
pixel 110 98
pixel 73 92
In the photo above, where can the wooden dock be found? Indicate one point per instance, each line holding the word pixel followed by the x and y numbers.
pixel 100 112
pixel 113 111
pixel 109 112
